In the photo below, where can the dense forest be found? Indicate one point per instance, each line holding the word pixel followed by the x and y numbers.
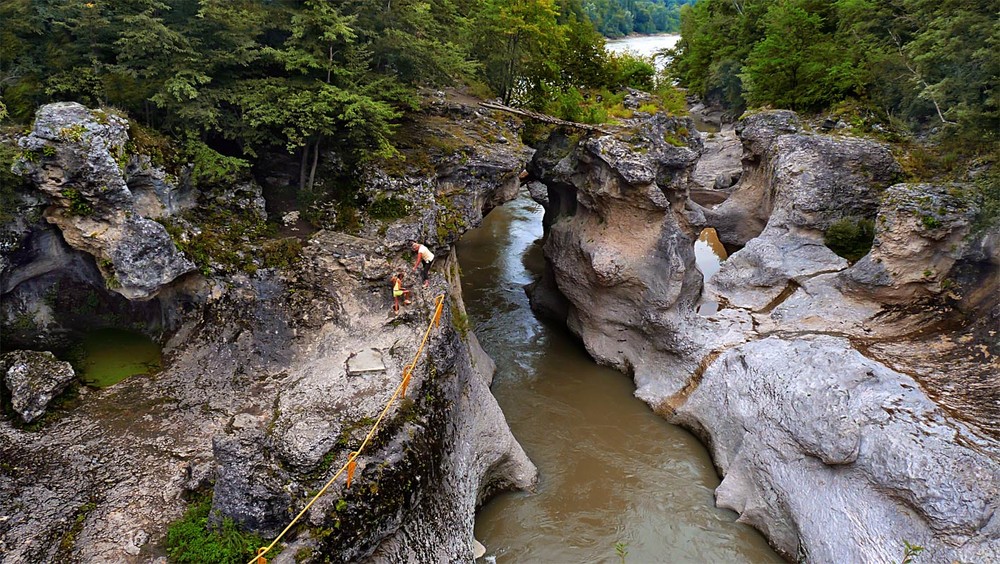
pixel 921 63
pixel 617 18
pixel 228 79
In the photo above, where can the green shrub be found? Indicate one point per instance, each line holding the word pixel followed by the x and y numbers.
pixel 629 70
pixel 389 208
pixel 193 540
pixel 211 168
pixel 671 99
pixel 850 238
pixel 930 222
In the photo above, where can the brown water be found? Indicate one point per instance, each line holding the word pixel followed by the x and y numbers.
pixel 610 471
pixel 708 255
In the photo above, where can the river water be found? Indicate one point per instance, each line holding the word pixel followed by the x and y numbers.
pixel 610 471
pixel 644 45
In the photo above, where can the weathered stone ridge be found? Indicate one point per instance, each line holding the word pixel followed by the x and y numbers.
pixel 78 158
pixel 849 408
pixel 784 416
pixel 607 211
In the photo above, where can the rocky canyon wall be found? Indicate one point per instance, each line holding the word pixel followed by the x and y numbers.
pixel 271 377
pixel 849 408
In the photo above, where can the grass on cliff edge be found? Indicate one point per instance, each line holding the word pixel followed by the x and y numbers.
pixel 194 540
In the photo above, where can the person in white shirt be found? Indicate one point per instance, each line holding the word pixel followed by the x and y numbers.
pixel 424 257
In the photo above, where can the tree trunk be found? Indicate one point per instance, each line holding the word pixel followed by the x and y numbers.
pixel 312 171
pixel 510 66
pixel 302 166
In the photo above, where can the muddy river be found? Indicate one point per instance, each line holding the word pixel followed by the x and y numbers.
pixel 616 482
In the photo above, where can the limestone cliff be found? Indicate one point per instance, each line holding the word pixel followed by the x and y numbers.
pixel 264 395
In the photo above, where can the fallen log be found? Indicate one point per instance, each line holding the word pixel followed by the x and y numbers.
pixel 543 117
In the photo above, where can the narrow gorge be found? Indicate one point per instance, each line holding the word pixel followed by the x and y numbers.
pixel 849 407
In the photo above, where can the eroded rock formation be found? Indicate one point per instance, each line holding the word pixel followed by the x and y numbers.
pixel 78 159
pixel 849 408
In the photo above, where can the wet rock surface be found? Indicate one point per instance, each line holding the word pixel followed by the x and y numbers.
pixel 32 379
pixel 849 408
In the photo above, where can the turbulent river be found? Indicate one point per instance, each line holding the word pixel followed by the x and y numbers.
pixel 614 478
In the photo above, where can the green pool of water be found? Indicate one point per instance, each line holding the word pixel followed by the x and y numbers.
pixel 111 355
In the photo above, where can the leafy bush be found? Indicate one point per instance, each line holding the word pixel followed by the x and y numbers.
pixel 210 167
pixel 389 207
pixel 193 540
pixel 628 70
pixel 850 238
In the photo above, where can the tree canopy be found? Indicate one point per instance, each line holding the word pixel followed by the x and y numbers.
pixel 926 62
pixel 617 18
pixel 243 76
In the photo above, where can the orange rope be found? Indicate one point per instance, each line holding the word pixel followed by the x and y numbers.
pixel 400 392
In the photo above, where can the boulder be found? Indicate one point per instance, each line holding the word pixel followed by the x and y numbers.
pixel 78 158
pixel 921 232
pixel 758 131
pixel 33 379
pixel 817 179
pixel 539 192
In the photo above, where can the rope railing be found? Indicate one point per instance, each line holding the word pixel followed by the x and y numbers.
pixel 351 463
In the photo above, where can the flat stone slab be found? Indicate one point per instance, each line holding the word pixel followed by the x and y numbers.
pixel 366 362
